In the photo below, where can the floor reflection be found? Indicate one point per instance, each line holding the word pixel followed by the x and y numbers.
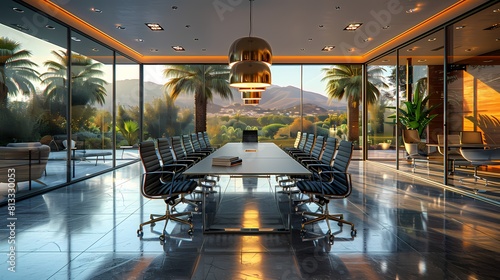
pixel 407 229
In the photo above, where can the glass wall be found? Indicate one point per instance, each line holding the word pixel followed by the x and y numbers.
pixel 32 123
pixel 381 137
pixel 34 98
pixel 127 109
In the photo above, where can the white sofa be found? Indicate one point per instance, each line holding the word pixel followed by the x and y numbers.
pixel 17 156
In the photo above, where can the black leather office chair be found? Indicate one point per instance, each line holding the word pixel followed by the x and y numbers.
pixel 327 157
pixel 250 136
pixel 307 147
pixel 316 151
pixel 197 144
pixel 187 144
pixel 337 186
pixel 296 143
pixel 165 185
pixel 206 139
pixel 300 147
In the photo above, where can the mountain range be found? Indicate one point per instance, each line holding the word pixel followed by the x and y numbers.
pixel 274 98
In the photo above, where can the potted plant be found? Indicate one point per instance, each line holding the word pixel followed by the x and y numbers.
pixel 415 114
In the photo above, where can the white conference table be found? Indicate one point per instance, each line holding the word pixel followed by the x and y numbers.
pixel 258 159
pixel 230 212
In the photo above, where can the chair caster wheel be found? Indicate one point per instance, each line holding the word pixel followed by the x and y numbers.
pixel 190 232
pixel 340 224
pixel 296 209
pixel 353 232
pixel 162 237
pixel 173 209
pixel 304 219
pixel 196 209
pixel 152 224
pixel 140 233
pixel 190 219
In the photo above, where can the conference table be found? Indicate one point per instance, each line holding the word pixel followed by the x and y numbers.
pixel 248 202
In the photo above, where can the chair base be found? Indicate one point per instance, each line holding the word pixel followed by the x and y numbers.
pixel 168 216
pixel 326 216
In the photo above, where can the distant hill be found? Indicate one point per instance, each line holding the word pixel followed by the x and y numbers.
pixel 274 98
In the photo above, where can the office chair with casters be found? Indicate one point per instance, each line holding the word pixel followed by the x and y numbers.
pixel 250 136
pixel 188 146
pixel 411 140
pixel 454 154
pixel 197 144
pixel 327 185
pixel 296 143
pixel 160 184
pixel 480 155
pixel 170 163
pixel 308 146
pixel 316 151
pixel 179 152
pixel 206 140
pixel 301 145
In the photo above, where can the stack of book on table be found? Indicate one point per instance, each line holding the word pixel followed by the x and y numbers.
pixel 226 161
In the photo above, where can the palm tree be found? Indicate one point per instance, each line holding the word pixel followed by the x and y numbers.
pixel 86 85
pixel 17 72
pixel 346 81
pixel 202 81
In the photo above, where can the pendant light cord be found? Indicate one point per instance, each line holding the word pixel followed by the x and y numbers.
pixel 250 32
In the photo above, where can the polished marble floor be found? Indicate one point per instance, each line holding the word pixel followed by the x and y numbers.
pixel 406 229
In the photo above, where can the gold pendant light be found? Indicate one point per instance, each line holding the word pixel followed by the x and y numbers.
pixel 249 59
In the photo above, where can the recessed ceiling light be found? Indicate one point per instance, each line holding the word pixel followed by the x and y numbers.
pixel 203 49
pixel 153 50
pixel 409 50
pixel 411 10
pixel 95 10
pixel 351 50
pixel 488 61
pixel 353 26
pixel 196 39
pixel 188 26
pixel 459 27
pixel 497 39
pixel 175 8
pixel 310 39
pixel 327 48
pixel 496 10
pixel 121 27
pixel 422 60
pixel 154 26
pixel 95 49
pixel 385 60
pixel 321 26
pixel 366 39
pixel 386 27
pixel 302 49
pixel 468 50
pixel 18 10
pixel 337 8
pixel 178 48
pixel 432 39
pixel 48 26
pixel 139 40
pixel 75 39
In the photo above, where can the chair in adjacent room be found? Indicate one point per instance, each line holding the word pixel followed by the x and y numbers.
pixel 169 186
pixel 454 154
pixel 250 136
pixel 477 153
pixel 414 147
pixel 328 185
